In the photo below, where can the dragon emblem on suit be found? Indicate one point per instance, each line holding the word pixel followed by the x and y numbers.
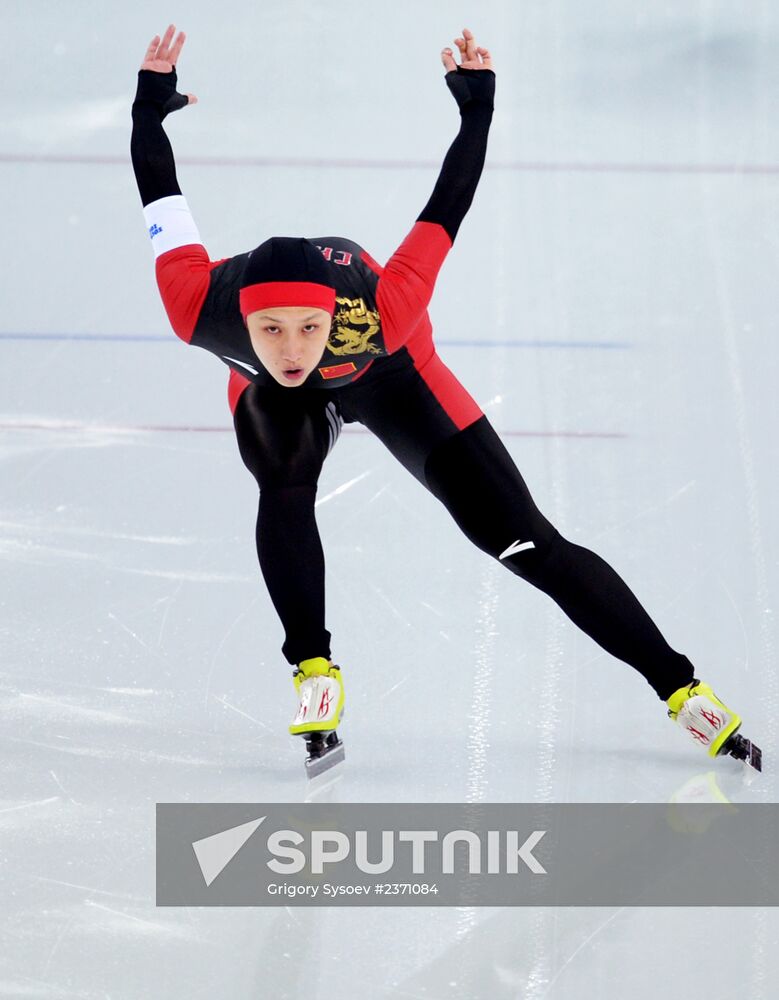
pixel 354 326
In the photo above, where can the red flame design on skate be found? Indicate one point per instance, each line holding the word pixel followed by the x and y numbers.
pixel 697 735
pixel 712 718
pixel 324 704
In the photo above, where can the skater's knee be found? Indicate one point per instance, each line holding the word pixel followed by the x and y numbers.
pixel 279 475
pixel 276 464
pixel 270 472
pixel 529 553
pixel 280 449
pixel 474 476
pixel 288 499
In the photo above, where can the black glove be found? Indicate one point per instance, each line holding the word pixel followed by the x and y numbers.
pixel 471 86
pixel 159 90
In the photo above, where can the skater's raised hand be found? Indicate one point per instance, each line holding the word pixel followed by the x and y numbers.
pixel 473 81
pixel 161 57
pixel 473 56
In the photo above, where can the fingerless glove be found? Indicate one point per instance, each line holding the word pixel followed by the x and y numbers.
pixel 471 86
pixel 159 91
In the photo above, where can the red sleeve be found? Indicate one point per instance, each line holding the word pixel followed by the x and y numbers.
pixel 235 387
pixel 182 278
pixel 406 284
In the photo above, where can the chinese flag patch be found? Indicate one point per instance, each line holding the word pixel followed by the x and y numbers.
pixel 336 371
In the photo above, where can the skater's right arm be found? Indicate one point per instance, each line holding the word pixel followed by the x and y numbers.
pixel 182 262
pixel 406 284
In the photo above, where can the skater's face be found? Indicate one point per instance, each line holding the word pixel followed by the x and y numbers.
pixel 289 340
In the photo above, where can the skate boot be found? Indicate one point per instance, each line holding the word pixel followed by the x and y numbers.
pixel 320 690
pixel 711 724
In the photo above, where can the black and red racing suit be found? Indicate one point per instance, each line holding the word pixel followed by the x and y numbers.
pixel 380 368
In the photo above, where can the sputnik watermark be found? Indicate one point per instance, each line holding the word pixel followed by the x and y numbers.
pixel 291 853
pixel 474 854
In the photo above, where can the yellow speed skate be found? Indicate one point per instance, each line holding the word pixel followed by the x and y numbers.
pixel 711 724
pixel 320 692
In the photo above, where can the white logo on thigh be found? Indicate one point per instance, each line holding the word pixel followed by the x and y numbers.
pixel 516 547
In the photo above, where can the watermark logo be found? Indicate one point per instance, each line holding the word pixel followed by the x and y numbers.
pixel 499 854
pixel 290 852
pixel 215 853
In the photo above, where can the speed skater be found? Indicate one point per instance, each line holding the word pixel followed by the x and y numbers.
pixel 316 333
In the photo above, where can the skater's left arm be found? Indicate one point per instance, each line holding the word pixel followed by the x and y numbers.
pixel 406 285
pixel 182 263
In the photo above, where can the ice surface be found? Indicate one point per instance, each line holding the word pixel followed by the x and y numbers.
pixel 611 302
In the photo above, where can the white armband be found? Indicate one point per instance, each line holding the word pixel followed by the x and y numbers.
pixel 170 224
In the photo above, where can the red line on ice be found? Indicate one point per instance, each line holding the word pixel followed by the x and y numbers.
pixel 527 166
pixel 64 425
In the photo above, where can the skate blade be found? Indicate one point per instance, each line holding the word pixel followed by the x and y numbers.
pixel 743 749
pixel 316 765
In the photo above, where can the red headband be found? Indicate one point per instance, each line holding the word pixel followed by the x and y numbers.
pixel 286 293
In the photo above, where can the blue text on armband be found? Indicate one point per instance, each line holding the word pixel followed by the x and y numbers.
pixel 155 230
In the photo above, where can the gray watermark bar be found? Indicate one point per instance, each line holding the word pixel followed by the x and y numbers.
pixel 584 854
